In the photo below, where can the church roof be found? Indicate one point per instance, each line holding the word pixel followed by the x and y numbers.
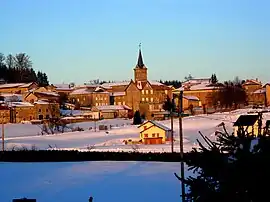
pixel 140 60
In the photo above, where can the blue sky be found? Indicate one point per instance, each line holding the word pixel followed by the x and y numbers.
pixel 85 39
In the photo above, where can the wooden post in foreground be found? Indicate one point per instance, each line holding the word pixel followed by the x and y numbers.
pixel 180 102
pixel 172 129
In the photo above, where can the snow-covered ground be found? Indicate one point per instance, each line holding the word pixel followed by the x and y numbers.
pixel 27 135
pixel 105 181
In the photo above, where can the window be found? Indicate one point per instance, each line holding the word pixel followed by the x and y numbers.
pixel 142 91
pixel 47 116
pixel 30 117
pixel 146 92
pixel 105 98
pixel 152 99
pixel 166 92
pixel 83 98
pixel 119 103
pixel 143 99
pixel 39 110
pixel 146 135
pixel 96 98
pixel 153 135
pixel 101 98
pixel 147 99
pixel 96 104
pixel 151 91
pixel 78 100
pixel 145 127
pixel 157 134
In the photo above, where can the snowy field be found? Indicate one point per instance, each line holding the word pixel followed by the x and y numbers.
pixel 27 135
pixel 105 181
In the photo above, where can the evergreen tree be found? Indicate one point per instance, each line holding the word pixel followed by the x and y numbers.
pixel 42 79
pixel 233 168
pixel 214 79
pixel 18 69
pixel 169 104
pixel 137 118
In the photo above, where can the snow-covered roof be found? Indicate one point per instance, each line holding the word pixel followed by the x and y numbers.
pixel 20 104
pixel 252 82
pixel 203 86
pixel 157 124
pixel 259 91
pixel 48 93
pixel 156 83
pixel 118 93
pixel 197 81
pixel 179 89
pixel 112 107
pixel 14 85
pixel 110 85
pixel 41 102
pixel 191 97
pixel 81 91
pixel 25 85
pixel 63 86
pixel 10 96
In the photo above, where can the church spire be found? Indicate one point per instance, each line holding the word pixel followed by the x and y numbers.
pixel 140 59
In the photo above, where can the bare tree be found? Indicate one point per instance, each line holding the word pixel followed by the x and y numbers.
pixel 10 61
pixel 2 59
pixel 22 61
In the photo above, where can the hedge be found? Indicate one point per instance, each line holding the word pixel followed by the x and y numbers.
pixel 71 156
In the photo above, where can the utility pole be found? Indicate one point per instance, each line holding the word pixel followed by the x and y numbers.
pixel 172 129
pixel 3 136
pixel 180 103
pixel 260 124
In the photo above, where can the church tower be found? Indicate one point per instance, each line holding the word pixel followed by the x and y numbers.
pixel 140 71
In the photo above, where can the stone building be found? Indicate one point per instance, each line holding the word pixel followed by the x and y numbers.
pixel 4 114
pixel 89 97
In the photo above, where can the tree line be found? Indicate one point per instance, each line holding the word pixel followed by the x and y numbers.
pixel 18 69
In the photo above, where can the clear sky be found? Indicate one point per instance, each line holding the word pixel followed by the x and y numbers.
pixel 81 40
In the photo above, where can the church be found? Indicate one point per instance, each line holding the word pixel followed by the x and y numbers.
pixel 139 93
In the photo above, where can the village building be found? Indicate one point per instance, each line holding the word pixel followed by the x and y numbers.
pixel 189 102
pixel 21 111
pixel 63 89
pixel 202 89
pixel 46 110
pixel 152 132
pixel 17 88
pixel 34 96
pixel 89 97
pixel 4 114
pixel 249 123
pixel 112 111
pixel 255 92
pixel 267 93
